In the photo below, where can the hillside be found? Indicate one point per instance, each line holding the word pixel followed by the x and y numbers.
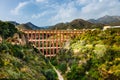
pixel 76 24
pixel 93 55
pixel 33 26
pixel 28 26
pixel 21 62
pixel 88 24
pixel 106 19
pixel 114 23
pixel 7 29
pixel 13 22
pixel 24 27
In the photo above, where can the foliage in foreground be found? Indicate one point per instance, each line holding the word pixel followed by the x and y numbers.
pixel 94 55
pixel 23 63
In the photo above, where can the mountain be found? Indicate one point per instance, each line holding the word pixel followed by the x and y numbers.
pixel 75 24
pixel 114 24
pixel 106 19
pixel 92 21
pixel 59 26
pixel 29 26
pixel 80 23
pixel 32 25
pixel 24 26
pixel 13 22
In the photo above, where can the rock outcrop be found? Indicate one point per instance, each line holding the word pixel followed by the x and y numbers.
pixel 1 39
pixel 18 39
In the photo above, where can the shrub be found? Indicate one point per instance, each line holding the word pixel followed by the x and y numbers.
pixel 63 67
pixel 7 29
pixel 50 74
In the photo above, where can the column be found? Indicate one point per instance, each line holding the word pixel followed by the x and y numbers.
pixel 60 39
pixel 43 42
pixel 53 43
pixel 38 40
pixel 50 45
pixel 35 39
pixel 63 37
pixel 57 33
pixel 46 44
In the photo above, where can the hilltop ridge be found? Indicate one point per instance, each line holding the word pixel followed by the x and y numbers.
pixel 74 24
pixel 106 19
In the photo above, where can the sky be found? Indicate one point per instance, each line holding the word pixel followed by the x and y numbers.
pixel 51 12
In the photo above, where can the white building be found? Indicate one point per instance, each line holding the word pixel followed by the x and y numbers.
pixel 107 27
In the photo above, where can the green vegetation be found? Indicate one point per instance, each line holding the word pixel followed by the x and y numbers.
pixel 93 55
pixel 7 29
pixel 24 63
pixel 24 27
pixel 77 24
pixel 19 62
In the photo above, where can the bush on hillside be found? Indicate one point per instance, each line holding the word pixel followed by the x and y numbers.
pixel 7 29
pixel 98 56
pixel 23 63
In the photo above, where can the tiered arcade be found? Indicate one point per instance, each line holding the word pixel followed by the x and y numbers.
pixel 49 42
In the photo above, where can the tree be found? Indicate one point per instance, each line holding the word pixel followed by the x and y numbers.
pixel 7 29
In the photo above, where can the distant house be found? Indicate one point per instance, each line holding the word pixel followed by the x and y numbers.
pixel 108 27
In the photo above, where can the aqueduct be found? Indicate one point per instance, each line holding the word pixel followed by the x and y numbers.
pixel 49 42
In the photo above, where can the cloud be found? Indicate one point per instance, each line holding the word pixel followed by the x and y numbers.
pixel 40 0
pixel 56 11
pixel 100 0
pixel 36 16
pixel 83 2
pixel 16 10
pixel 98 8
pixel 85 9
pixel 64 13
